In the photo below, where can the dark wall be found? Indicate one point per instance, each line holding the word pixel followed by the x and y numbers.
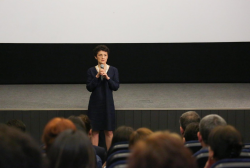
pixel 153 119
pixel 137 63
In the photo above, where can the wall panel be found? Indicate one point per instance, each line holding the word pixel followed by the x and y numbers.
pixel 153 119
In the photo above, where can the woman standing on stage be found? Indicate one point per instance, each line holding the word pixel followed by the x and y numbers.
pixel 102 80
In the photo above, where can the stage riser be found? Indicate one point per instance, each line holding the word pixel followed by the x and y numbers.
pixel 153 119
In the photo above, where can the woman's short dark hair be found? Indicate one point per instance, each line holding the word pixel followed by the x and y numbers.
pixel 161 150
pixel 122 134
pixel 100 48
pixel 225 141
pixel 18 149
pixel 72 149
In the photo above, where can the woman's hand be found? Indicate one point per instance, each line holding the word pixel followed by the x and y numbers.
pixel 102 73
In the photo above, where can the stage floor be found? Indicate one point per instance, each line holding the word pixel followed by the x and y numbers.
pixel 179 96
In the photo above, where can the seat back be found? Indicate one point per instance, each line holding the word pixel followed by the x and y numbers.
pixel 232 163
pixel 117 147
pixel 120 155
pixel 119 164
pixel 201 157
pixel 194 146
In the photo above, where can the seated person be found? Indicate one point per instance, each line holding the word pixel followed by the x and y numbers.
pixel 139 134
pixel 207 124
pixel 100 151
pixel 224 142
pixel 53 128
pixel 191 131
pixel 161 150
pixel 18 150
pixel 121 134
pixel 72 149
pixel 187 118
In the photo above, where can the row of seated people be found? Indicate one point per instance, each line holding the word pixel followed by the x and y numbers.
pixel 67 143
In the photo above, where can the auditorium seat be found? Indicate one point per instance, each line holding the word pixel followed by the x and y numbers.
pixel 118 146
pixel 232 163
pixel 117 156
pixel 194 146
pixel 119 164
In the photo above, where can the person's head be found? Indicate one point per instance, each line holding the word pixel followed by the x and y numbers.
pixel 17 124
pixel 121 134
pixel 101 53
pixel 53 128
pixel 140 133
pixel 18 149
pixel 72 149
pixel 224 142
pixel 207 124
pixel 87 123
pixel 187 118
pixel 191 131
pixel 80 125
pixel 161 150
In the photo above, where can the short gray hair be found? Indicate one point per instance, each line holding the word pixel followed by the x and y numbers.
pixel 208 123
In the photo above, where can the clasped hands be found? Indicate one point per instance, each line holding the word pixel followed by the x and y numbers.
pixel 102 73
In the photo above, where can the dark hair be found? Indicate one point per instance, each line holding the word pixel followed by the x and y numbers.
pixel 191 131
pixel 100 48
pixel 208 123
pixel 86 121
pixel 72 149
pixel 18 149
pixel 17 124
pixel 78 123
pixel 139 134
pixel 225 141
pixel 188 117
pixel 161 150
pixel 122 134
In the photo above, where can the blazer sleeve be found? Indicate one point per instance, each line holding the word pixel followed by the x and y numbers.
pixel 114 82
pixel 92 81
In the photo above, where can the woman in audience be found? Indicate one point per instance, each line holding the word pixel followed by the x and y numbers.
pixel 161 150
pixel 72 149
pixel 53 128
pixel 224 142
pixel 139 134
pixel 18 149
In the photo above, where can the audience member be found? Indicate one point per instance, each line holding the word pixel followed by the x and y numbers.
pixel 140 133
pixel 207 124
pixel 187 118
pixel 100 151
pixel 122 134
pixel 17 124
pixel 80 125
pixel 18 150
pixel 161 150
pixel 53 128
pixel 191 131
pixel 224 142
pixel 72 149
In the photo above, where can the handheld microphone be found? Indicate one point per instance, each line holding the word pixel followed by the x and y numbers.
pixel 102 66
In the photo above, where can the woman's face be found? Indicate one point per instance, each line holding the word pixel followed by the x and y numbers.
pixel 102 57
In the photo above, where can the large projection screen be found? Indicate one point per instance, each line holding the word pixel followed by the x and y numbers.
pixel 130 21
